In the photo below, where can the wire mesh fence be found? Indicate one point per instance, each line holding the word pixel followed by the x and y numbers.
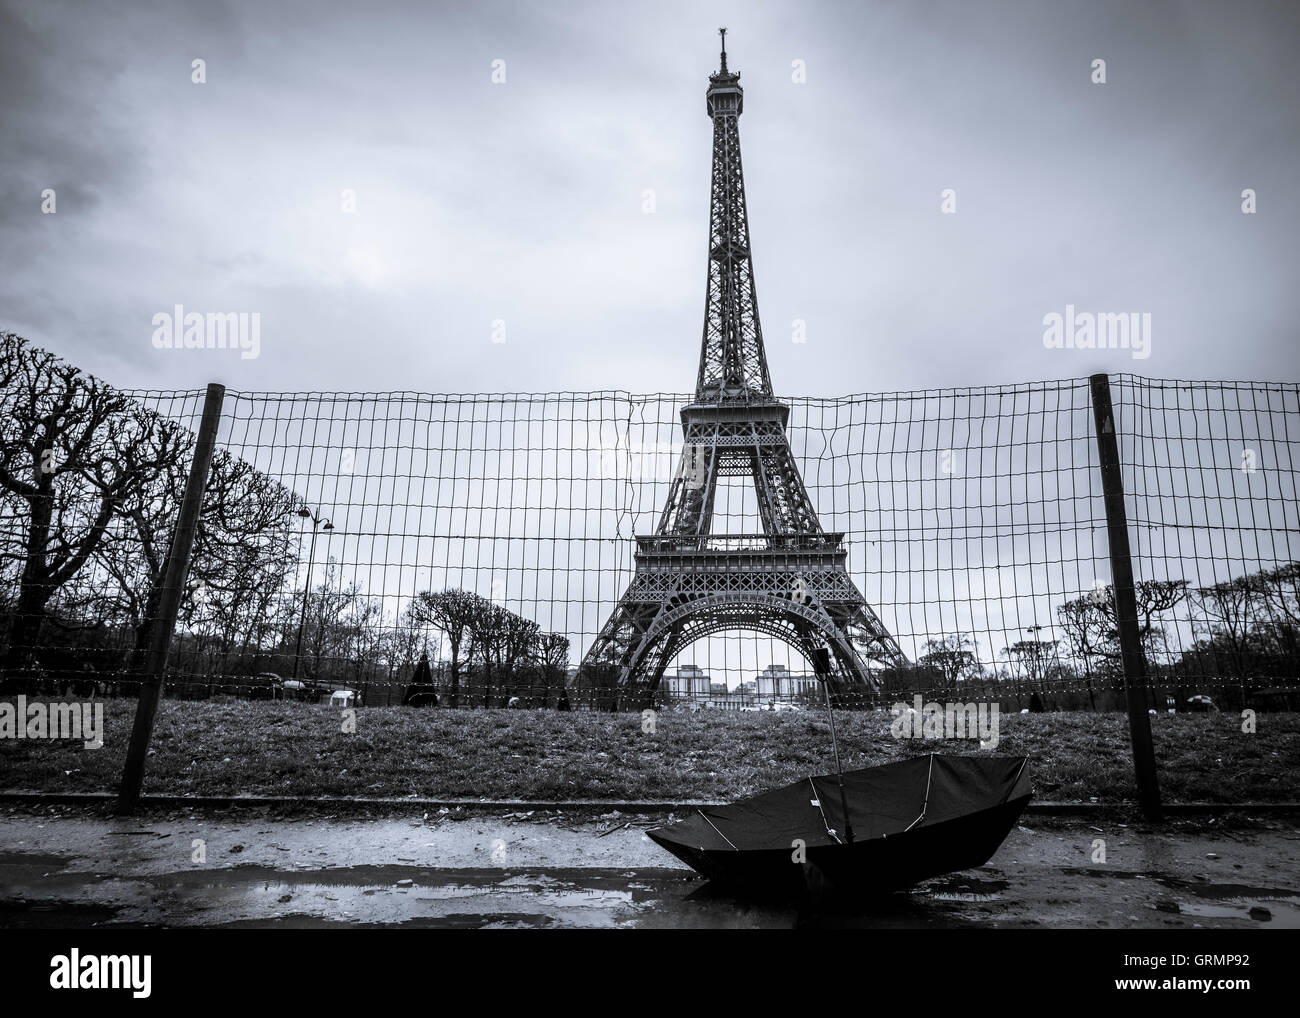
pixel 464 550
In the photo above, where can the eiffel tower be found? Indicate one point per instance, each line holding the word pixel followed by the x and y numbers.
pixel 789 582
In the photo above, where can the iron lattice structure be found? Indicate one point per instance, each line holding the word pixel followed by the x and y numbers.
pixel 791 581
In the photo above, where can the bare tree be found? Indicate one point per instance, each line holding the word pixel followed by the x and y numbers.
pixel 1279 594
pixel 487 628
pixel 1034 656
pixel 72 450
pixel 402 645
pixel 243 552
pixel 1224 612
pixel 518 643
pixel 454 613
pixel 553 661
pixel 1093 634
pixel 953 656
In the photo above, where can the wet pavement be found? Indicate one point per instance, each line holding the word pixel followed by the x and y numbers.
pixel 74 869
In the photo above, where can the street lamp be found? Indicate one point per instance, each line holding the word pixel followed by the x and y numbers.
pixel 316 522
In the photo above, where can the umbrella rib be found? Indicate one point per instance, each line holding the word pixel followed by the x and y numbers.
pixel 926 804
pixel 818 799
pixel 715 827
pixel 1012 787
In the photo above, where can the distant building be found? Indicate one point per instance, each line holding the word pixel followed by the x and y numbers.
pixel 777 681
pixel 690 681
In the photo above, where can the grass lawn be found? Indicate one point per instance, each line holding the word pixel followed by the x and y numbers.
pixel 298 749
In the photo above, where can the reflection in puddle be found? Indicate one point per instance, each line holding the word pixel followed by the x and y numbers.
pixel 1282 912
pixel 964 889
pixel 411 897
pixel 454 900
pixel 602 899
pixel 1204 899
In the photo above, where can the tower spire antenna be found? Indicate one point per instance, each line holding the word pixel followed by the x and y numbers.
pixel 723 32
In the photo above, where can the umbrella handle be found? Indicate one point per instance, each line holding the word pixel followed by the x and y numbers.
pixel 822 663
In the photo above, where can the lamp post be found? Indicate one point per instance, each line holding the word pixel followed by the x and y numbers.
pixel 316 521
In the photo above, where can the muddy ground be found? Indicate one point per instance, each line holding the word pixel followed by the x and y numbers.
pixel 73 868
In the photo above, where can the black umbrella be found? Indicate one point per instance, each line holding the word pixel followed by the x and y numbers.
pixel 911 820
pixel 868 831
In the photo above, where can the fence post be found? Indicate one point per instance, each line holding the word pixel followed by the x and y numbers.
pixel 173 582
pixel 1121 572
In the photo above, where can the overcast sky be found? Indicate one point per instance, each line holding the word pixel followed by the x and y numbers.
pixel 525 201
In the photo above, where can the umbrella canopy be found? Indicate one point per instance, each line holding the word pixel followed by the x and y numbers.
pixel 910 820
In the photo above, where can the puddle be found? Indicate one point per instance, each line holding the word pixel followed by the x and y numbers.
pixel 33 860
pixel 1202 899
pixel 1205 889
pixel 450 899
pixel 54 915
pixel 292 875
pixel 1282 912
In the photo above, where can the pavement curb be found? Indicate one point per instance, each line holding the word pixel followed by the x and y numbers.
pixel 516 805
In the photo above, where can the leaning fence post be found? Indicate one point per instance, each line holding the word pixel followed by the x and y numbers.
pixel 1121 572
pixel 169 601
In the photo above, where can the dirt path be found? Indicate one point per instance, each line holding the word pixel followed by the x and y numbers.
pixel 72 869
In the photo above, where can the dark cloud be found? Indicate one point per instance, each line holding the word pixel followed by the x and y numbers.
pixel 523 202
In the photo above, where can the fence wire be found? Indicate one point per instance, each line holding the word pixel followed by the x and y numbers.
pixel 410 548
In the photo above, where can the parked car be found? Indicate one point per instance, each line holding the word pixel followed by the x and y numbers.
pixel 265 686
pixel 1279 698
pixel 343 698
